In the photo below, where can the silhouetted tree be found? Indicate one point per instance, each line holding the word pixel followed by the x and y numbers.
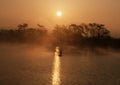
pixel 22 26
pixel 98 31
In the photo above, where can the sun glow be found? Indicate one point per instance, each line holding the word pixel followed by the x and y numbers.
pixel 59 13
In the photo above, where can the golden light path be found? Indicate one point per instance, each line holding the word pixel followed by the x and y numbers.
pixel 56 70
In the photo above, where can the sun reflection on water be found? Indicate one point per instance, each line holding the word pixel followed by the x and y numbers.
pixel 56 70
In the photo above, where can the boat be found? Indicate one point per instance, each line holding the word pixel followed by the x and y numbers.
pixel 58 50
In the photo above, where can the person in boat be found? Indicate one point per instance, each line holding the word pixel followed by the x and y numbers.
pixel 59 51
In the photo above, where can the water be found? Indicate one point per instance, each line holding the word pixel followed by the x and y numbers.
pixel 56 80
pixel 34 65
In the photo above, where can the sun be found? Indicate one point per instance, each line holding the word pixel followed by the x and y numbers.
pixel 59 13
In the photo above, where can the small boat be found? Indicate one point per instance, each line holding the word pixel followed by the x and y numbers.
pixel 58 50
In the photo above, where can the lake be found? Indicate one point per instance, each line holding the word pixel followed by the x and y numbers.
pixel 37 65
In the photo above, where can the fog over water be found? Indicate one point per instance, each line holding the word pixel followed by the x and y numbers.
pixel 38 65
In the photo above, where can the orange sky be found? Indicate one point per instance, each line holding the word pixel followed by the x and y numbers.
pixel 13 12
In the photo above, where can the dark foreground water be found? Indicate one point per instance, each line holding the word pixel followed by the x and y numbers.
pixel 32 65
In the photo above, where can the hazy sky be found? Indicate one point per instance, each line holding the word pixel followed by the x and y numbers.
pixel 13 12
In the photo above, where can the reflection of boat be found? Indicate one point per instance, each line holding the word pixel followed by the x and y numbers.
pixel 58 50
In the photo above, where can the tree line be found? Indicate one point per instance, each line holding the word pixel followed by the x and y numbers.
pixel 91 34
pixel 23 34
